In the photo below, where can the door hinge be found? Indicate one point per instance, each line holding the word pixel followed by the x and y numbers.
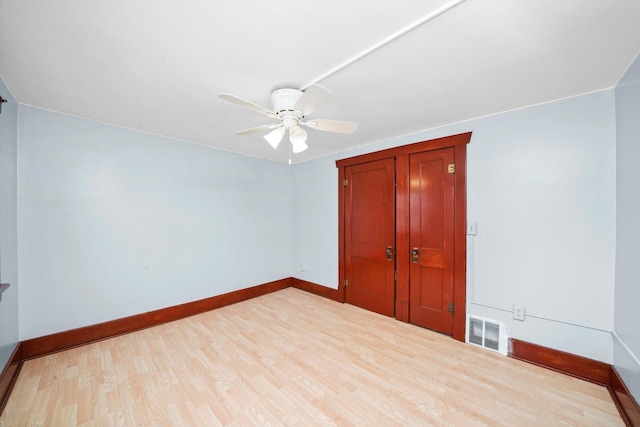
pixel 450 307
pixel 451 168
pixel 346 283
pixel 345 182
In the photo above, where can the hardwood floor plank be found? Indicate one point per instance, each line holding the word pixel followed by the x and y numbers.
pixel 293 358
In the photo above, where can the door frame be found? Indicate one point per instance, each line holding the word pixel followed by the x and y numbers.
pixel 401 154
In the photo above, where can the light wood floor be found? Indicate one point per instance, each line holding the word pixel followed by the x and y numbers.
pixel 294 358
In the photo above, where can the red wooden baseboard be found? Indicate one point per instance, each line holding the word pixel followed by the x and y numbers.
pixel 48 344
pixel 68 339
pixel 626 404
pixel 316 289
pixel 566 363
pixel 581 367
pixel 9 375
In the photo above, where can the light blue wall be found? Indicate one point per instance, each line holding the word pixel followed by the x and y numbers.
pixel 627 286
pixel 315 221
pixel 113 222
pixel 8 227
pixel 541 187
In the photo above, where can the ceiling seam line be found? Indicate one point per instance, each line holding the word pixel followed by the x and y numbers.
pixel 386 41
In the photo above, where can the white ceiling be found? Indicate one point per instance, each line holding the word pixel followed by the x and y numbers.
pixel 158 65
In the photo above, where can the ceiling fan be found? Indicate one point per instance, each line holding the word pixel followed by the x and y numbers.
pixel 291 107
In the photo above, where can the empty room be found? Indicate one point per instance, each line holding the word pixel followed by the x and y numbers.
pixel 295 212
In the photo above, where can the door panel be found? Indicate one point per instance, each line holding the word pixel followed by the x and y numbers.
pixel 366 274
pixel 431 228
pixel 369 230
pixel 434 299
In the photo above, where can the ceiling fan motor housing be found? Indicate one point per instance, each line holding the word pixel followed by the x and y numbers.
pixel 284 100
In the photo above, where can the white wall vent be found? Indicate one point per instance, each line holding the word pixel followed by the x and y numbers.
pixel 487 333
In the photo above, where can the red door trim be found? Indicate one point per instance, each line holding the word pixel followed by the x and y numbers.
pixel 341 252
pixel 459 142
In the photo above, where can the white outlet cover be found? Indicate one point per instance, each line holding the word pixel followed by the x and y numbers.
pixel 518 312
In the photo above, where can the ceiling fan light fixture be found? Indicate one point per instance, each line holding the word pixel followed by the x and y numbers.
pixel 298 138
pixel 275 136
pixel 299 147
pixel 291 107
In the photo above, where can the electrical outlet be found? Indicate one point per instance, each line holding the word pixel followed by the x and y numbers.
pixel 518 312
pixel 303 267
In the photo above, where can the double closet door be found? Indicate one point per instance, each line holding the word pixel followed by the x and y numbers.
pixel 400 217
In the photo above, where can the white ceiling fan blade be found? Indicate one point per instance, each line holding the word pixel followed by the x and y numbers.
pixel 257 129
pixel 312 98
pixel 247 104
pixel 331 125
